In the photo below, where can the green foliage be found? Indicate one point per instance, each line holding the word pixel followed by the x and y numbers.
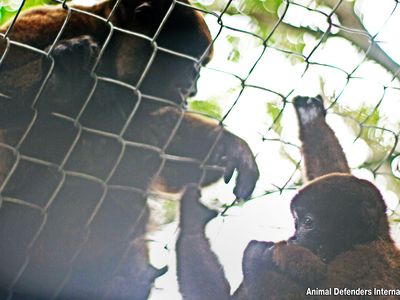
pixel 210 108
pixel 275 112
pixel 10 7
pixel 234 54
pixel 368 116
pixel 271 5
pixel 169 211
pixel 266 6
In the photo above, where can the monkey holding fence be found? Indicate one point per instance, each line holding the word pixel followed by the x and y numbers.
pixel 341 237
pixel 81 147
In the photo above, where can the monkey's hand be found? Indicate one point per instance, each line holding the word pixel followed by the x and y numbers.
pixel 299 263
pixel 74 56
pixel 70 82
pixel 236 155
pixel 257 258
pixel 205 140
pixel 261 275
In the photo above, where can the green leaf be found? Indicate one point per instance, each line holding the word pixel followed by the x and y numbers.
pixel 6 14
pixel 271 5
pixel 274 111
pixel 169 211
pixel 210 107
pixel 234 54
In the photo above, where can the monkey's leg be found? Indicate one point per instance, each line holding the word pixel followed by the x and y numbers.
pixel 322 152
pixel 112 262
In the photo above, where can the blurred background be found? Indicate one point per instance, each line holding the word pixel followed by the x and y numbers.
pixel 265 53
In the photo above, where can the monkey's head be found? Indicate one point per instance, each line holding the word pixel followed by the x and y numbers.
pixel 333 213
pixel 178 42
pixel 309 109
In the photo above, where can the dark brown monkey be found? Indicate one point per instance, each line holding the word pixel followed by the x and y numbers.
pixel 78 162
pixel 321 150
pixel 341 241
pixel 114 108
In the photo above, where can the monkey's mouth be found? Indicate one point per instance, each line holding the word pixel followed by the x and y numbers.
pixel 188 92
pixel 185 93
pixel 188 89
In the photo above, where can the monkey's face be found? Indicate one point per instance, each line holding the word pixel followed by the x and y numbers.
pixel 313 231
pixel 336 212
pixel 178 43
pixel 184 41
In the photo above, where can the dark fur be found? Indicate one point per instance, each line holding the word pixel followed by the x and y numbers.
pixel 85 249
pixel 192 240
pixel 321 150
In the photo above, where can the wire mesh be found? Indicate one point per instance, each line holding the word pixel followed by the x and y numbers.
pixel 369 122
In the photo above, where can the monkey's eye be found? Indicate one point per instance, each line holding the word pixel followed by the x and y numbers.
pixel 308 222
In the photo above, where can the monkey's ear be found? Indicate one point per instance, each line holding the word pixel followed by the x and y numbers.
pixel 372 211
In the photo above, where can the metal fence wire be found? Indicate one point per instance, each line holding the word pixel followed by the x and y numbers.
pixel 41 164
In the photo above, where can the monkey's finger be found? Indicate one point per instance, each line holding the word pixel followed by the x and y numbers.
pixel 257 252
pixel 246 180
pixel 230 168
pixel 245 187
pixel 155 272
pixel 241 158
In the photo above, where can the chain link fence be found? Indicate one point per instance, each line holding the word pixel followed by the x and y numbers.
pixel 266 52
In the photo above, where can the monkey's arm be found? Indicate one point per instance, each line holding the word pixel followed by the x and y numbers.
pixel 198 137
pixel 321 150
pixel 200 275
